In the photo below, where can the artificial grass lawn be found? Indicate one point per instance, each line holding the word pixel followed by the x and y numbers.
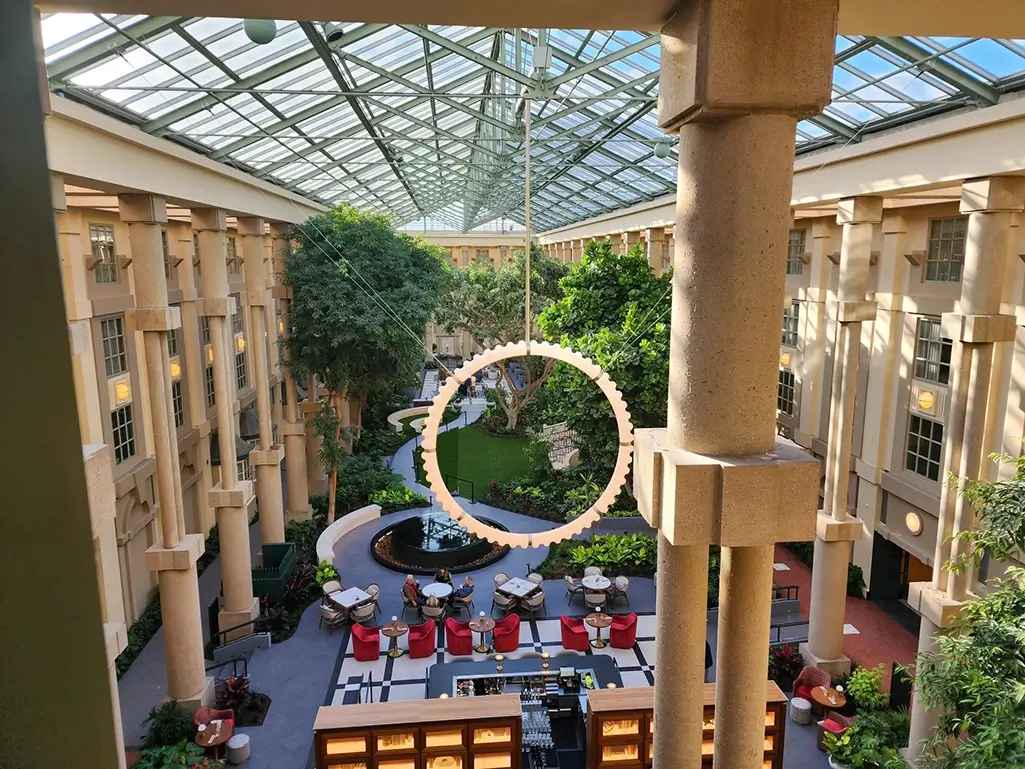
pixel 470 454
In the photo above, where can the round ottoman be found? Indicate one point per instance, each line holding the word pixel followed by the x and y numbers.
pixel 800 711
pixel 238 749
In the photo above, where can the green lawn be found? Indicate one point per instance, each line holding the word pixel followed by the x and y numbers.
pixel 470 454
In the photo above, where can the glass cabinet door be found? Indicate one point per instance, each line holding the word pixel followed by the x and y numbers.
pixel 445 761
pixel 498 760
pixel 395 742
pixel 443 737
pixel 500 734
pixel 406 762
pixel 628 753
pixel 348 765
pixel 621 727
pixel 354 744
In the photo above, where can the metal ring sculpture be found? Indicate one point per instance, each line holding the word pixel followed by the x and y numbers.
pixel 518 350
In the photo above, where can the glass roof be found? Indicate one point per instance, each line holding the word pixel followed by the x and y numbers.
pixel 426 123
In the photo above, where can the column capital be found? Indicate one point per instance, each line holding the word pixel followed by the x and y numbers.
pixel 894 224
pixel 723 58
pixel 142 209
pixel 933 604
pixel 181 557
pixel 278 230
pixel 655 234
pixel 209 219
pixel 249 226
pixel 859 210
pixel 997 193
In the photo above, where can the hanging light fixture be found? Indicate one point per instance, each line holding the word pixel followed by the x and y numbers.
pixel 260 31
pixel 662 150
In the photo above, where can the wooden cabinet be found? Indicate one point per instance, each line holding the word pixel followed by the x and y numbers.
pixel 470 733
pixel 621 727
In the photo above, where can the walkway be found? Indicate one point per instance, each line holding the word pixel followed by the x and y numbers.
pixel 871 636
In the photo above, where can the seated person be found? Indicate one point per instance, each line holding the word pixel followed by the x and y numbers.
pixel 443 575
pixel 411 592
pixel 464 590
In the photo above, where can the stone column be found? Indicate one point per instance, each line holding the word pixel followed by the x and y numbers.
pixel 813 321
pixel 315 475
pixel 631 239
pixel 230 495
pixel 979 325
pixel 503 255
pixel 836 530
pixel 580 245
pixel 267 458
pixel 733 87
pixel 465 258
pixel 272 271
pixel 654 239
pixel 174 556
pixel 292 429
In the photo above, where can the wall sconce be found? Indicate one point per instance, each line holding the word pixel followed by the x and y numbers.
pixel 176 370
pixel 209 354
pixel 122 391
pixel 784 359
pixel 914 523
pixel 926 400
pixel 240 343
pixel 281 327
pixel 443 696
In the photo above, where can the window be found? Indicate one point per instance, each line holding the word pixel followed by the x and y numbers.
pixel 177 404
pixel 204 329
pixel 124 433
pixel 236 317
pixel 241 375
pixel 244 469
pixel 101 239
pixel 791 317
pixel 932 352
pixel 232 257
pixel 795 252
pixel 945 255
pixel 172 342
pixel 925 444
pixel 785 394
pixel 112 332
pixel 483 256
pixel 167 254
pixel 195 248
pixel 210 390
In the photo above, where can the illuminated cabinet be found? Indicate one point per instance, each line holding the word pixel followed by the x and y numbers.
pixel 457 733
pixel 621 727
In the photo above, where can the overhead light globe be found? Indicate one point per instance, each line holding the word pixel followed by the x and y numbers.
pixel 662 150
pixel 260 31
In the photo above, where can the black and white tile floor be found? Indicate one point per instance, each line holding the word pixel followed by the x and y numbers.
pixel 403 678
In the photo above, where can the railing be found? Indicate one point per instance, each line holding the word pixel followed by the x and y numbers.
pixel 234 662
pixel 785 592
pixel 473 493
pixel 776 633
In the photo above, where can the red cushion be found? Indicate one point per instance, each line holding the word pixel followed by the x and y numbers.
pixel 833 726
pixel 803 691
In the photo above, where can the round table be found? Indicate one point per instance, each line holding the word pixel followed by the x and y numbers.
pixel 439 590
pixel 215 734
pixel 596 582
pixel 394 630
pixel 482 625
pixel 598 620
pixel 828 697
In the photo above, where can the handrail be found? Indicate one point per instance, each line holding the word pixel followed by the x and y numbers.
pixel 778 627
pixel 786 592
pixel 473 492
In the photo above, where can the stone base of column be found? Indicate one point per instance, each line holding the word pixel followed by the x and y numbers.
pixel 229 619
pixel 204 696
pixel 835 667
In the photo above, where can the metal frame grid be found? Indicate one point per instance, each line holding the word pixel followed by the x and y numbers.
pixel 426 123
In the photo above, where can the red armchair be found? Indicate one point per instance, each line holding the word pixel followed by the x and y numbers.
pixel 422 639
pixel 206 714
pixel 623 631
pixel 833 723
pixel 458 637
pixel 808 679
pixel 506 634
pixel 366 643
pixel 574 634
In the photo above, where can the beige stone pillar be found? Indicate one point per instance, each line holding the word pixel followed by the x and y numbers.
pixel 654 239
pixel 718 473
pixel 579 246
pixel 814 332
pixel 631 239
pixel 503 255
pixel 230 495
pixel 836 529
pixel 465 256
pixel 315 474
pixel 267 458
pixel 989 204
pixel 292 429
pixel 174 556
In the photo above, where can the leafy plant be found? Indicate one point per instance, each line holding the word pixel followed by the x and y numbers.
pixel 872 741
pixel 618 552
pixel 184 753
pixel 398 498
pixel 865 687
pixel 803 551
pixel 169 724
pixel 855 581
pixel 325 573
pixel 235 693
pixel 785 664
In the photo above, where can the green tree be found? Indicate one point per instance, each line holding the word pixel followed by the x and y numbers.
pixel 976 675
pixel 489 305
pixel 362 296
pixel 616 312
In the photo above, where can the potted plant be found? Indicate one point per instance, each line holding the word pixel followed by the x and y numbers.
pixel 871 742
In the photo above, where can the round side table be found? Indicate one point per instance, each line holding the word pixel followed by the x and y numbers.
pixel 598 620
pixel 482 625
pixel 394 630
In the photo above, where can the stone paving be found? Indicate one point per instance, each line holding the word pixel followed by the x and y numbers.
pixel 302 674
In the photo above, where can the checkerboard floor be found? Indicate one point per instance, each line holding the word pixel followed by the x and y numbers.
pixel 404 679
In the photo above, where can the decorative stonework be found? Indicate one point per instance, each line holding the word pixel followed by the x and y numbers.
pixel 519 350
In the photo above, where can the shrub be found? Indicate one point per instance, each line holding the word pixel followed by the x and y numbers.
pixel 785 664
pixel 855 581
pixel 380 442
pixel 872 741
pixel 865 687
pixel 803 551
pixel 183 754
pixel 235 693
pixel 398 498
pixel 358 478
pixel 169 724
pixel 635 553
pixel 325 572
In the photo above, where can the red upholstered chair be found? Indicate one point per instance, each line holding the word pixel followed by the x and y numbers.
pixel 623 631
pixel 366 643
pixel 206 714
pixel 833 723
pixel 506 634
pixel 808 679
pixel 422 639
pixel 574 634
pixel 458 637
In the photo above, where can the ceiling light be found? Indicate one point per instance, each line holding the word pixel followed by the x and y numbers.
pixel 333 32
pixel 260 31
pixel 662 150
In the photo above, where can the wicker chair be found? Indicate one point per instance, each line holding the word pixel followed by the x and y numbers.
pixel 536 578
pixel 374 591
pixel 573 587
pixel 329 587
pixel 332 616
pixel 462 602
pixel 436 613
pixel 363 613
pixel 595 599
pixel 592 571
pixel 833 723
pixel 503 602
pixel 501 578
pixel 618 590
pixel 534 602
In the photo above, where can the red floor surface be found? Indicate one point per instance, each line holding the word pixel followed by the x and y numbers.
pixel 880 638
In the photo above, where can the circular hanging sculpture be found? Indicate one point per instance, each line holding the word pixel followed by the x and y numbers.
pixel 260 31
pixel 519 350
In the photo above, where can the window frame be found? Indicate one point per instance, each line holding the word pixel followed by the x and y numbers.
pixel 913 458
pixel 122 433
pixel 106 271
pixel 940 267
pixel 925 367
pixel 177 403
pixel 781 400
pixel 211 386
pixel 797 240
pixel 108 342
pixel 791 329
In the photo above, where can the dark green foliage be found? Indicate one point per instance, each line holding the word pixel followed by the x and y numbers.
pixel 394 499
pixel 855 581
pixel 803 551
pixel 358 478
pixel 872 741
pixel 182 754
pixel 168 724
pixel 139 634
pixel 785 664
pixel 379 442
